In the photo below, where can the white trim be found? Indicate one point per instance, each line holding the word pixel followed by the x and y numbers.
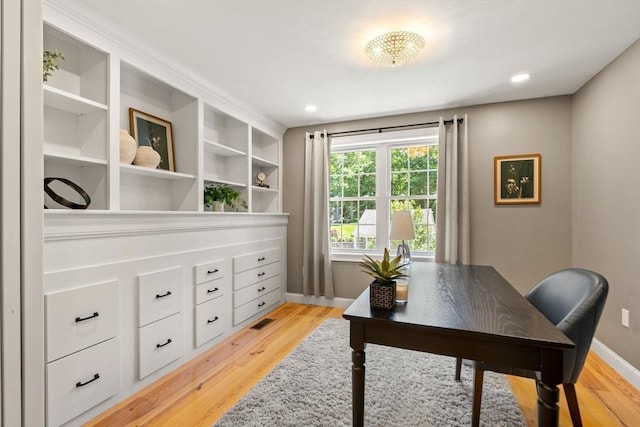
pixel 621 366
pixel 411 136
pixel 358 256
pixel 313 300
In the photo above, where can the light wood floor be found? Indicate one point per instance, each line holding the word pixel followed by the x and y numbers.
pixel 200 392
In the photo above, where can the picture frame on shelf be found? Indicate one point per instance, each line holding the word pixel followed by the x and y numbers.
pixel 517 179
pixel 157 133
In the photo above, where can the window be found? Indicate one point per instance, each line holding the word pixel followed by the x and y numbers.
pixel 374 175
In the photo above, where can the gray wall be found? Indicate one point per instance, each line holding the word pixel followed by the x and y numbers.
pixel 606 194
pixel 524 243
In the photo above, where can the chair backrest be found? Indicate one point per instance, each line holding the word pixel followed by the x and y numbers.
pixel 573 300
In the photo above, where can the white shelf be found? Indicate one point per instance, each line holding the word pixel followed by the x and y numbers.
pixel 73 159
pixel 211 179
pixel 258 189
pixel 154 173
pixel 258 161
pixel 222 150
pixel 66 101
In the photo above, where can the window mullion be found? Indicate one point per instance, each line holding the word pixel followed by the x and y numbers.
pixel 382 197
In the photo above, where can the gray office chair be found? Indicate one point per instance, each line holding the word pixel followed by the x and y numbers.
pixel 573 300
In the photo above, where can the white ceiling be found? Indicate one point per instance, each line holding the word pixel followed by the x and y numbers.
pixel 277 56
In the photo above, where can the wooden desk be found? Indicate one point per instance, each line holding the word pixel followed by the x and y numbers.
pixel 462 311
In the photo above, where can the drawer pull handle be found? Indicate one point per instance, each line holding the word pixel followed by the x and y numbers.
pixel 261 259
pixel 261 289
pixel 261 274
pixel 165 343
pixel 261 304
pixel 212 290
pixel 212 271
pixel 214 319
pixel 81 384
pixel 82 319
pixel 158 296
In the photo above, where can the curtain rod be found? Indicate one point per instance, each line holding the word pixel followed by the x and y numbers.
pixel 386 128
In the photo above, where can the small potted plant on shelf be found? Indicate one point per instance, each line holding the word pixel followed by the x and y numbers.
pixel 222 197
pixel 382 291
pixel 49 63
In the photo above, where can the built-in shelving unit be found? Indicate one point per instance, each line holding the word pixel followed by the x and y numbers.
pixel 265 157
pixel 147 189
pixel 89 99
pixel 75 115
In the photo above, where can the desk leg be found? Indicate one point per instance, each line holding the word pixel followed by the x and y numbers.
pixel 547 404
pixel 357 373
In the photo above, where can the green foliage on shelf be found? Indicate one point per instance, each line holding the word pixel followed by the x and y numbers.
pixel 49 63
pixel 229 196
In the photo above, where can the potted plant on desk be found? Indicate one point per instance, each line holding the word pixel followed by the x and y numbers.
pixel 382 291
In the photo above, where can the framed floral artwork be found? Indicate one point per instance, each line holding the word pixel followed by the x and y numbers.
pixel 517 179
pixel 154 132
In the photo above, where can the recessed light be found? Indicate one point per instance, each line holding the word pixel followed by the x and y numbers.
pixel 311 108
pixel 520 77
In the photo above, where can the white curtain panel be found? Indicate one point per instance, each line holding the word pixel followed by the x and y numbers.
pixel 452 219
pixel 317 277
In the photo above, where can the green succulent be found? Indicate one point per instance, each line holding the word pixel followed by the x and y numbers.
pixel 385 271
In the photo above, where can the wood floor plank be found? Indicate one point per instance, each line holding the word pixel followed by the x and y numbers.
pixel 201 391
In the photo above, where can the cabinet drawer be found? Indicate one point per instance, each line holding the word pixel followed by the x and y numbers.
pixel 159 294
pixel 212 318
pixel 255 259
pixel 209 271
pixel 160 344
pixel 80 381
pixel 256 290
pixel 255 275
pixel 213 289
pixel 255 306
pixel 80 318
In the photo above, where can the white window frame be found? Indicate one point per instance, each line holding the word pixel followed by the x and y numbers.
pixel 382 143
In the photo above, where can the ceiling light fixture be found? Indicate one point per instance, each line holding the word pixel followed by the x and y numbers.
pixel 394 48
pixel 311 108
pixel 520 77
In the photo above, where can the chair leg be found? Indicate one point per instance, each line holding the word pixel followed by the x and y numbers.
pixel 572 401
pixel 477 397
pixel 458 368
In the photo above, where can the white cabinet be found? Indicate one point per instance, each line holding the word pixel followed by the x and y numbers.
pixel 256 259
pixel 83 360
pixel 212 281
pixel 159 294
pixel 79 318
pixel 167 288
pixel 160 344
pixel 159 319
pixel 212 319
pixel 82 380
pixel 257 283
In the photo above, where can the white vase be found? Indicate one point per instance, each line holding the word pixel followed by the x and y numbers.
pixel 218 206
pixel 146 157
pixel 128 147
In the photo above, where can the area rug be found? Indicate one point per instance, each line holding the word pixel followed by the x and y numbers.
pixel 312 387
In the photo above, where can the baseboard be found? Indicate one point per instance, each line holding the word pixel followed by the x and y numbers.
pixel 621 366
pixel 313 300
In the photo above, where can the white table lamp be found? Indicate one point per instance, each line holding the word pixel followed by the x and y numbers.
pixel 402 229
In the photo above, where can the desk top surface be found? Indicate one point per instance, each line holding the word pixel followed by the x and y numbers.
pixel 464 300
